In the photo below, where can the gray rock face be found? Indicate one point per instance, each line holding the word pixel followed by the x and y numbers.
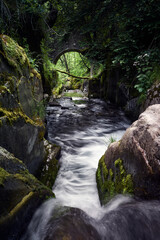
pixel 72 224
pixel 49 170
pixel 21 95
pixel 21 193
pixel 21 134
pixel 139 150
pixel 25 141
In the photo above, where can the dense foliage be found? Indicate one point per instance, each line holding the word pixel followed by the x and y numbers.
pixel 74 63
pixel 120 33
pixel 27 19
pixel 30 23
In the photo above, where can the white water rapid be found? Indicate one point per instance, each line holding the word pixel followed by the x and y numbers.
pixel 83 131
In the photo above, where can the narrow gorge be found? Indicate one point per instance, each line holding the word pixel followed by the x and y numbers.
pixel 79 120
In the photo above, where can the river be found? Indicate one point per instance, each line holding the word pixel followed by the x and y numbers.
pixel 84 128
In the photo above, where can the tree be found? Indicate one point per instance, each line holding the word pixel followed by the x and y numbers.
pixel 115 31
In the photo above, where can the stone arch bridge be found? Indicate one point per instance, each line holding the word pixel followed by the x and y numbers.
pixel 69 44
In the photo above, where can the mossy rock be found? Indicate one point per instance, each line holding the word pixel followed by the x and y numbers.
pixel 21 193
pixel 76 84
pixel 111 182
pixel 18 78
pixel 50 165
pixel 14 54
pixel 23 137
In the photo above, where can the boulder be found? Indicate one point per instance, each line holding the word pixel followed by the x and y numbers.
pixel 132 220
pixel 21 193
pixel 71 224
pixel 23 137
pixel 50 166
pixel 133 164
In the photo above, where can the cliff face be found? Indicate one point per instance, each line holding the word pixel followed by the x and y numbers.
pixel 21 140
pixel 21 95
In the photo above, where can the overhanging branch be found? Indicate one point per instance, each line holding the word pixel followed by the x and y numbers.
pixel 71 75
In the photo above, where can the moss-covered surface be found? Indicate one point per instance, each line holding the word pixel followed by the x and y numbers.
pixel 81 101
pixel 3 175
pixel 20 84
pixel 73 94
pixel 17 188
pixel 112 181
pixel 75 83
pixel 50 167
pixel 14 114
pixel 49 172
pixel 34 73
pixel 14 54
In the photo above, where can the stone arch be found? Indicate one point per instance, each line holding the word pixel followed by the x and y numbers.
pixel 57 57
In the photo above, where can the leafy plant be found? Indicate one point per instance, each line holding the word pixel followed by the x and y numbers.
pixel 147 70
pixel 49 73
pixel 112 139
pixel 34 61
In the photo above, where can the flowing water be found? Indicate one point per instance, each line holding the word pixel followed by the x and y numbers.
pixel 84 129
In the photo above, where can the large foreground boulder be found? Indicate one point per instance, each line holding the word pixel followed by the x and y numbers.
pixel 132 165
pixel 131 220
pixel 20 194
pixel 71 224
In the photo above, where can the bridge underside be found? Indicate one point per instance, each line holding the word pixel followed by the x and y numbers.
pixel 57 57
pixel 69 44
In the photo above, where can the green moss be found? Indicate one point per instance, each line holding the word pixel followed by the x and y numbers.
pixel 34 73
pixel 76 84
pixel 4 89
pixel 13 116
pixel 3 175
pixel 113 181
pixel 79 101
pixel 50 166
pixel 124 183
pixel 7 83
pixel 49 173
pixel 25 177
pixel 14 54
pixel 73 94
pixel 57 90
pixel 21 203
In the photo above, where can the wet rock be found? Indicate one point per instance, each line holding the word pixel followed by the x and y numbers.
pixel 132 221
pixel 23 137
pixel 139 152
pixel 50 166
pixel 21 193
pixel 71 224
pixel 54 104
